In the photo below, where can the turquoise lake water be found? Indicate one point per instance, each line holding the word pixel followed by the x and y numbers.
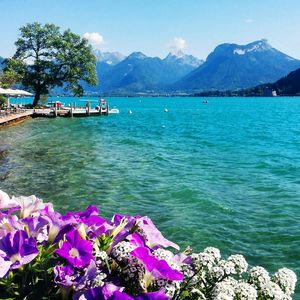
pixel 224 174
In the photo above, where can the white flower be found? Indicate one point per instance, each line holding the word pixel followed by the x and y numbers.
pixel 272 290
pixel 203 259
pixel 187 270
pixel 170 288
pixel 215 252
pixel 122 250
pixel 223 291
pixel 286 279
pixel 217 272
pixel 163 254
pixel 228 267
pixel 259 276
pixel 240 263
pixel 223 296
pixel 245 291
pixel 101 257
pixel 168 256
pixel 99 280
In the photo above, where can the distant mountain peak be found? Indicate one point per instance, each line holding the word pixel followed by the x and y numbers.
pixel 257 46
pixel 137 55
pixel 176 53
pixel 111 58
pixel 182 58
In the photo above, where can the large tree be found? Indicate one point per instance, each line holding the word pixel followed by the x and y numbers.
pixel 46 58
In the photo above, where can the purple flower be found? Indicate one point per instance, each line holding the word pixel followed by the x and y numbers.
pixel 120 296
pixel 96 226
pixel 123 226
pixel 37 227
pixel 67 277
pixel 159 295
pixel 136 239
pixel 9 223
pixel 87 279
pixel 59 225
pixel 18 248
pixel 75 250
pixel 152 235
pixel 91 210
pixel 99 293
pixel 64 276
pixel 158 267
pixel 4 265
pixel 112 292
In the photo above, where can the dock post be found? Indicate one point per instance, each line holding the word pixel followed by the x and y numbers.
pixel 88 107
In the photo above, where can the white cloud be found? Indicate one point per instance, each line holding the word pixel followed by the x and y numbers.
pixel 94 38
pixel 178 43
pixel 249 21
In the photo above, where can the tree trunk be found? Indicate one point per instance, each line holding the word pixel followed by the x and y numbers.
pixel 36 99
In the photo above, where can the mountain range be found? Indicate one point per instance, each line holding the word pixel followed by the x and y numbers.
pixel 138 73
pixel 228 67
pixel 233 67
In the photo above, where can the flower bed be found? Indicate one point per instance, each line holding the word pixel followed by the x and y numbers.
pixel 47 255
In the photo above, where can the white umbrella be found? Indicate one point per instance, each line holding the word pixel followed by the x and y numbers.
pixel 11 92
pixel 23 93
pixel 2 91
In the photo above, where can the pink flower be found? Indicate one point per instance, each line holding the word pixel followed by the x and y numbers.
pixel 6 202
pixel 31 205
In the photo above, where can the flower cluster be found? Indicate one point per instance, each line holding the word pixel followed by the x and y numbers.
pixel 45 254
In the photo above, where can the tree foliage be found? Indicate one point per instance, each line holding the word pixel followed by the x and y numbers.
pixel 46 58
pixel 3 101
pixel 9 78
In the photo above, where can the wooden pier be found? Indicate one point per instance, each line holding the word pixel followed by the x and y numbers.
pixel 11 118
pixel 15 117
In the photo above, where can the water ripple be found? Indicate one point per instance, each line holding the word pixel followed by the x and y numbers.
pixel 224 174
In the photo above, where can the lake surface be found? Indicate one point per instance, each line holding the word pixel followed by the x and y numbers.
pixel 224 174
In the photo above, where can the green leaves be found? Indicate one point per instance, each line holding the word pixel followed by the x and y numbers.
pixel 46 58
pixel 32 281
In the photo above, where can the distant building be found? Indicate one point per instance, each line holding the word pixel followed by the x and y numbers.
pixel 269 92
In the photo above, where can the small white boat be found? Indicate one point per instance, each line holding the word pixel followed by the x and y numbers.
pixel 113 111
pixel 166 110
pixel 130 111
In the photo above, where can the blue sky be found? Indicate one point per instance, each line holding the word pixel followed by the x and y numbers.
pixel 156 26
